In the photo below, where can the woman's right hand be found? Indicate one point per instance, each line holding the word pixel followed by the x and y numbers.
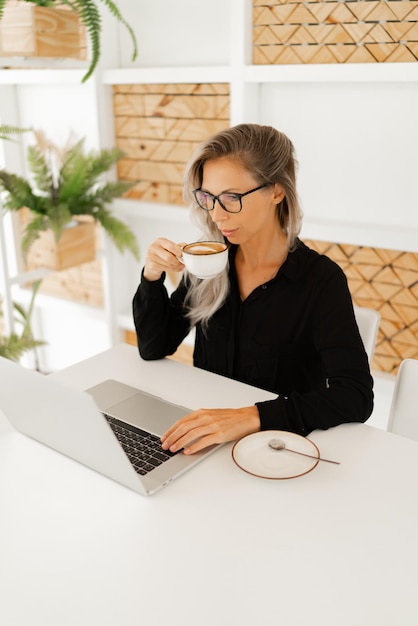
pixel 163 255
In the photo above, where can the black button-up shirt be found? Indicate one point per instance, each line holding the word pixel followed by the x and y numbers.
pixel 296 335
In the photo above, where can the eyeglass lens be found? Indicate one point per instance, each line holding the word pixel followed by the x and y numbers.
pixel 229 201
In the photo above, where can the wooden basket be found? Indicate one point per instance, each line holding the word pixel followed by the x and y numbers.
pixel 32 31
pixel 77 245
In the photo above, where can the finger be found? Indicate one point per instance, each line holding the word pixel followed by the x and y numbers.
pixel 176 249
pixel 192 436
pixel 203 443
pixel 175 440
pixel 163 255
pixel 190 417
pixel 179 428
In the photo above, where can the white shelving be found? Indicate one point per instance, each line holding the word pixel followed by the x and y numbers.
pixel 335 73
pixel 38 76
pixel 337 168
pixel 157 75
pixel 248 74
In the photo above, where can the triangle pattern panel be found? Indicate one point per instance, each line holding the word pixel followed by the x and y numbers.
pixel 158 127
pixel 355 31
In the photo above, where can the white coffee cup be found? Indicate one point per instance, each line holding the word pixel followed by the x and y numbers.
pixel 205 259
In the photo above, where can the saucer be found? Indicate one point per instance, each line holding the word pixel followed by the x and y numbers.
pixel 253 455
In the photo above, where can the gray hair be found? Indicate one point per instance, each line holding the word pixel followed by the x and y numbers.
pixel 269 156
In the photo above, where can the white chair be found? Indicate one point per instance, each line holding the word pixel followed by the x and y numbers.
pixel 368 321
pixel 403 415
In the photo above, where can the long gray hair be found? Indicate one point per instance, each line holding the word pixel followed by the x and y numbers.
pixel 269 156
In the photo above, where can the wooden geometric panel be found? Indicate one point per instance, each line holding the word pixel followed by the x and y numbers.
pixel 158 127
pixel 354 31
pixel 385 280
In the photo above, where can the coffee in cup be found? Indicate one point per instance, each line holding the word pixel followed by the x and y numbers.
pixel 205 259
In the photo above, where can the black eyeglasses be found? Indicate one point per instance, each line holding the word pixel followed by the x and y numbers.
pixel 231 202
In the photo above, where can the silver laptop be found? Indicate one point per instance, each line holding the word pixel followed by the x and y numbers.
pixel 113 429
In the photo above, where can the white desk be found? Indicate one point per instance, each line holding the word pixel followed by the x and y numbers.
pixel 336 547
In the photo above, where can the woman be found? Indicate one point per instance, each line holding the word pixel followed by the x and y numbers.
pixel 280 317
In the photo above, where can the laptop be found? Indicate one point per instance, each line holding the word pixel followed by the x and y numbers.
pixel 112 428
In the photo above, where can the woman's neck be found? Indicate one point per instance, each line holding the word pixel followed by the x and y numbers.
pixel 268 252
pixel 256 265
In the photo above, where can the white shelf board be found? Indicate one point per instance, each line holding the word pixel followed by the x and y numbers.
pixel 333 72
pixel 29 277
pixel 338 72
pixel 34 76
pixel 151 210
pixel 161 75
pixel 356 233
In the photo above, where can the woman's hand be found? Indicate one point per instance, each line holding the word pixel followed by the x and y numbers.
pixel 163 255
pixel 206 427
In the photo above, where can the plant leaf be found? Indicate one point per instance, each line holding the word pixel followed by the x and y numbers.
pixel 90 16
pixel 118 232
pixel 14 345
pixel 6 130
pixel 32 231
pixel 115 11
pixel 19 192
pixel 42 173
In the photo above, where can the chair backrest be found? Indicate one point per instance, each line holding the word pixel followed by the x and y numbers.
pixel 368 321
pixel 403 415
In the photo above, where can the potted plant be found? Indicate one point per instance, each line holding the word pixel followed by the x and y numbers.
pixel 89 15
pixel 67 192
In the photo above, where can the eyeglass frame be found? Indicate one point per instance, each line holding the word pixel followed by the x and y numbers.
pixel 239 196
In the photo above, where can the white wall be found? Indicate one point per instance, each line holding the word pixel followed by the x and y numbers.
pixel 173 33
pixel 356 148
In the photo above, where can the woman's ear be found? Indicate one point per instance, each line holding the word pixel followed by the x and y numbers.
pixel 278 193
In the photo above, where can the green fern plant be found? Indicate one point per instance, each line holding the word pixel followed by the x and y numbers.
pixel 89 15
pixel 13 346
pixel 67 183
pixel 6 130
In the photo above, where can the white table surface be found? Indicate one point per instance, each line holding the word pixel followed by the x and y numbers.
pixel 336 547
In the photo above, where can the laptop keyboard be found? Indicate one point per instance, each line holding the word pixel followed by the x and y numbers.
pixel 142 448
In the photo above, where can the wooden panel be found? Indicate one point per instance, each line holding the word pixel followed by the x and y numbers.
pixel 158 127
pixel 172 106
pixel 286 32
pixel 35 31
pixel 208 89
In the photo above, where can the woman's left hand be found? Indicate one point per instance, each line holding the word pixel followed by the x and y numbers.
pixel 207 427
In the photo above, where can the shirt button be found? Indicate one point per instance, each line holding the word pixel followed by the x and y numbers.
pixel 264 287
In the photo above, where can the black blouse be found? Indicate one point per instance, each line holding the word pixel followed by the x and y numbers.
pixel 296 336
